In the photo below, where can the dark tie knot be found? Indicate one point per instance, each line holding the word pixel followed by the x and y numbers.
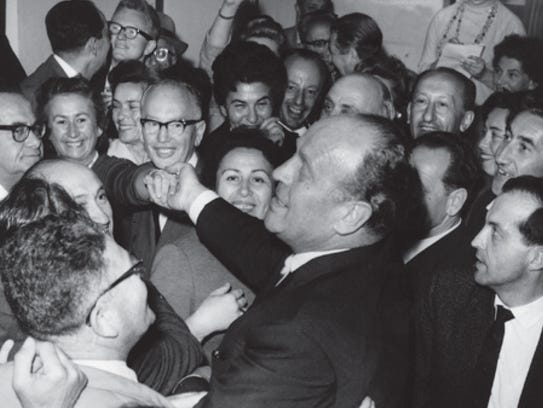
pixel 503 315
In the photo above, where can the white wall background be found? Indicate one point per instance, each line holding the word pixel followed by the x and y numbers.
pixel 403 23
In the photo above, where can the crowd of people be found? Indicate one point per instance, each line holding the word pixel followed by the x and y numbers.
pixel 297 220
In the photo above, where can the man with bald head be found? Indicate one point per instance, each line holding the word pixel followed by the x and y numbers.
pixel 329 325
pixel 20 139
pixel 358 93
pixel 443 100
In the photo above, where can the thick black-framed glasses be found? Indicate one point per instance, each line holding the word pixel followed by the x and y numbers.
pixel 318 43
pixel 130 31
pixel 20 132
pixel 136 269
pixel 173 126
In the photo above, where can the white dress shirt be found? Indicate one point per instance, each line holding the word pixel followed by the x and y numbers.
pixel 519 343
pixel 67 68
pixel 3 192
pixel 117 367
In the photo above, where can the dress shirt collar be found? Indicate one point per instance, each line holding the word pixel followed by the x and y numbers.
pixel 527 315
pixel 3 192
pixel 296 261
pixel 117 367
pixel 67 68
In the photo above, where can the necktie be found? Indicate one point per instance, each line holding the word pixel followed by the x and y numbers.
pixel 485 369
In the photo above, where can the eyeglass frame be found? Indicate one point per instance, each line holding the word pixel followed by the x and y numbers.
pixel 184 122
pixel 168 53
pixel 318 43
pixel 39 129
pixel 137 269
pixel 148 37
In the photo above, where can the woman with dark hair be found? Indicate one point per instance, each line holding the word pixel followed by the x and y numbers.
pixel 241 173
pixel 355 38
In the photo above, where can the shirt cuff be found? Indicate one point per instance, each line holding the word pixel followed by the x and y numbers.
pixel 199 203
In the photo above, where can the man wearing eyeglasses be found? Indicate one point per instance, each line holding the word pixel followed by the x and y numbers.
pixel 20 140
pixel 134 28
pixel 78 34
pixel 80 290
pixel 172 127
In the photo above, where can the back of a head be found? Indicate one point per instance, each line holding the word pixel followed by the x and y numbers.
pixel 51 269
pixel 464 85
pixel 148 12
pixel 527 50
pixel 384 178
pixel 248 62
pixel 31 199
pixel 70 24
pixel 464 168
pixel 264 27
pixel 360 31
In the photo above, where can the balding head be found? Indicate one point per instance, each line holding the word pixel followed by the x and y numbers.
pixel 178 105
pixel 82 184
pixel 358 93
pixel 442 100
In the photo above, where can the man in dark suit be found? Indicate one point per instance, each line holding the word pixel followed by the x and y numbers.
pixel 329 325
pixel 463 309
pixel 450 175
pixel 79 37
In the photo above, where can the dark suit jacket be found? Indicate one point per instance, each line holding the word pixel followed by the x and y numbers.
pixel 451 328
pixel 331 333
pixel 31 85
pixel 453 250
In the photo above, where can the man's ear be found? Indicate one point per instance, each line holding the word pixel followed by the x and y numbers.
pixel 456 200
pixel 149 48
pixel 532 85
pixel 200 130
pixel 389 110
pixel 91 46
pixel 467 120
pixel 223 111
pixel 535 258
pixel 102 322
pixel 353 216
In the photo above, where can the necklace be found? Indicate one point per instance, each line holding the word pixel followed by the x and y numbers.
pixel 458 16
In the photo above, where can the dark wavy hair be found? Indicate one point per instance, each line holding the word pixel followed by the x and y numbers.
pixel 248 62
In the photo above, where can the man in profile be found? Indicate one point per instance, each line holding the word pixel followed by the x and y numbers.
pixel 329 325
pixel 79 37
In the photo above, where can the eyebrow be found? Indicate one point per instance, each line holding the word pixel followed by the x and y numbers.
pixel 526 140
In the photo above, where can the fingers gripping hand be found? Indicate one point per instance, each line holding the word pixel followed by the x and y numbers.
pixel 43 376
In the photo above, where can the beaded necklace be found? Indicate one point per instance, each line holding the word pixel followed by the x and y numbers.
pixel 458 18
